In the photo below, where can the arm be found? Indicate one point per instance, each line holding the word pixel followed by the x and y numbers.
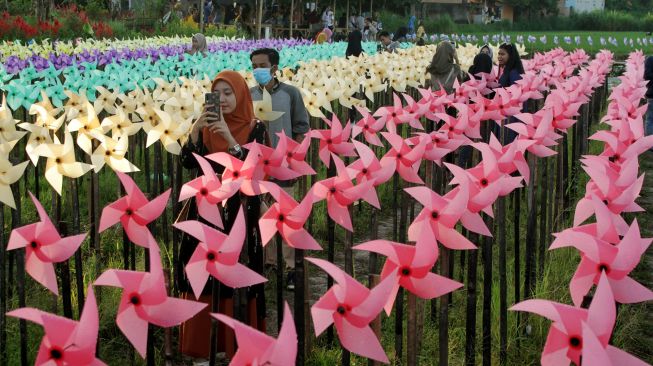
pixel 648 69
pixel 299 118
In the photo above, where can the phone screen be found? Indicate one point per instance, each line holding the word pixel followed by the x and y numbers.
pixel 214 100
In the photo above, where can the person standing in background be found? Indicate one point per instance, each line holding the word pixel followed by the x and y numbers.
pixel 328 17
pixel 293 123
pixel 648 76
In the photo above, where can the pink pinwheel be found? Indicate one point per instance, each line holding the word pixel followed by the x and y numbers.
pixel 617 261
pixel 502 106
pixel 288 217
pixel 488 173
pixel 437 144
pixel 134 212
pixel 578 332
pixel 217 255
pixel 437 102
pixel 369 126
pixel 405 159
pixel 245 175
pixel 351 307
pixel 340 192
pixel 414 111
pixel 593 204
pixel 440 215
pixel 273 162
pixel 486 183
pixel 393 115
pixel 256 348
pixel 617 149
pixel 368 167
pixel 66 342
pixel 144 300
pixel 615 184
pixel 537 127
pixel 334 140
pixel 510 158
pixel 208 192
pixel 411 266
pixel 43 246
pixel 467 121
pixel 296 153
pixel 564 109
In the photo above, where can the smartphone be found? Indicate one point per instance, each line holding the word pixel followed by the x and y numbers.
pixel 214 100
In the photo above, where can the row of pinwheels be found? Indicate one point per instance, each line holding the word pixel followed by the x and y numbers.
pixel 523 40
pixel 123 76
pixel 610 248
pixel 350 305
pixel 91 50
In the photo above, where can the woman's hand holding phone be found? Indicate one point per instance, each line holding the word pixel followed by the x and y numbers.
pixel 208 115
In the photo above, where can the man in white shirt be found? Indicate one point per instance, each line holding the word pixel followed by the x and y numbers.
pixel 328 18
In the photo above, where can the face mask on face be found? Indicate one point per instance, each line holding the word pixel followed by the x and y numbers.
pixel 262 76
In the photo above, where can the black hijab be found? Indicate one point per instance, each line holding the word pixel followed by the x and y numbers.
pixel 354 46
pixel 482 63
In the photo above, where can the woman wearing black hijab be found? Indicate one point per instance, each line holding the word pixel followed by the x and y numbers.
pixel 482 64
pixel 354 46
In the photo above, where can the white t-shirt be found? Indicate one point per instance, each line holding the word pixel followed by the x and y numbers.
pixel 327 18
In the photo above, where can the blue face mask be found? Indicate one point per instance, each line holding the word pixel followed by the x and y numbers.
pixel 262 76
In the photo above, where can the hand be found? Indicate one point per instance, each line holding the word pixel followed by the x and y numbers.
pixel 204 120
pixel 220 127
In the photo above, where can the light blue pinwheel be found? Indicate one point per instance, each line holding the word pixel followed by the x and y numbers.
pixel 55 91
pixel 28 74
pixel 21 93
pixel 49 73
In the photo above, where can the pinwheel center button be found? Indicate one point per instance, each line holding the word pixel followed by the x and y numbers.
pixel 211 256
pixel 56 354
pixel 342 309
pixel 329 141
pixel 575 342
pixel 484 182
pixel 129 212
pixel 135 299
pixel 364 171
pixel 435 215
pixel 34 244
pixel 604 267
pixel 281 217
pixel 405 271
pixel 204 191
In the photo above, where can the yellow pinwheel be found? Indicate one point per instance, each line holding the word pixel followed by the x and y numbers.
pixel 9 174
pixel 39 135
pixel 61 161
pixel 168 132
pixel 263 108
pixel 46 118
pixel 106 101
pixel 183 108
pixel 75 103
pixel 112 152
pixel 119 124
pixel 86 126
pixel 8 124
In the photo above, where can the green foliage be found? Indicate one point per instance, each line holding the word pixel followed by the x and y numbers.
pixel 22 7
pixel 441 23
pixel 97 10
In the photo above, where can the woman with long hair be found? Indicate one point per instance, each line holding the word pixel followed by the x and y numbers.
pixel 510 66
pixel 354 45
